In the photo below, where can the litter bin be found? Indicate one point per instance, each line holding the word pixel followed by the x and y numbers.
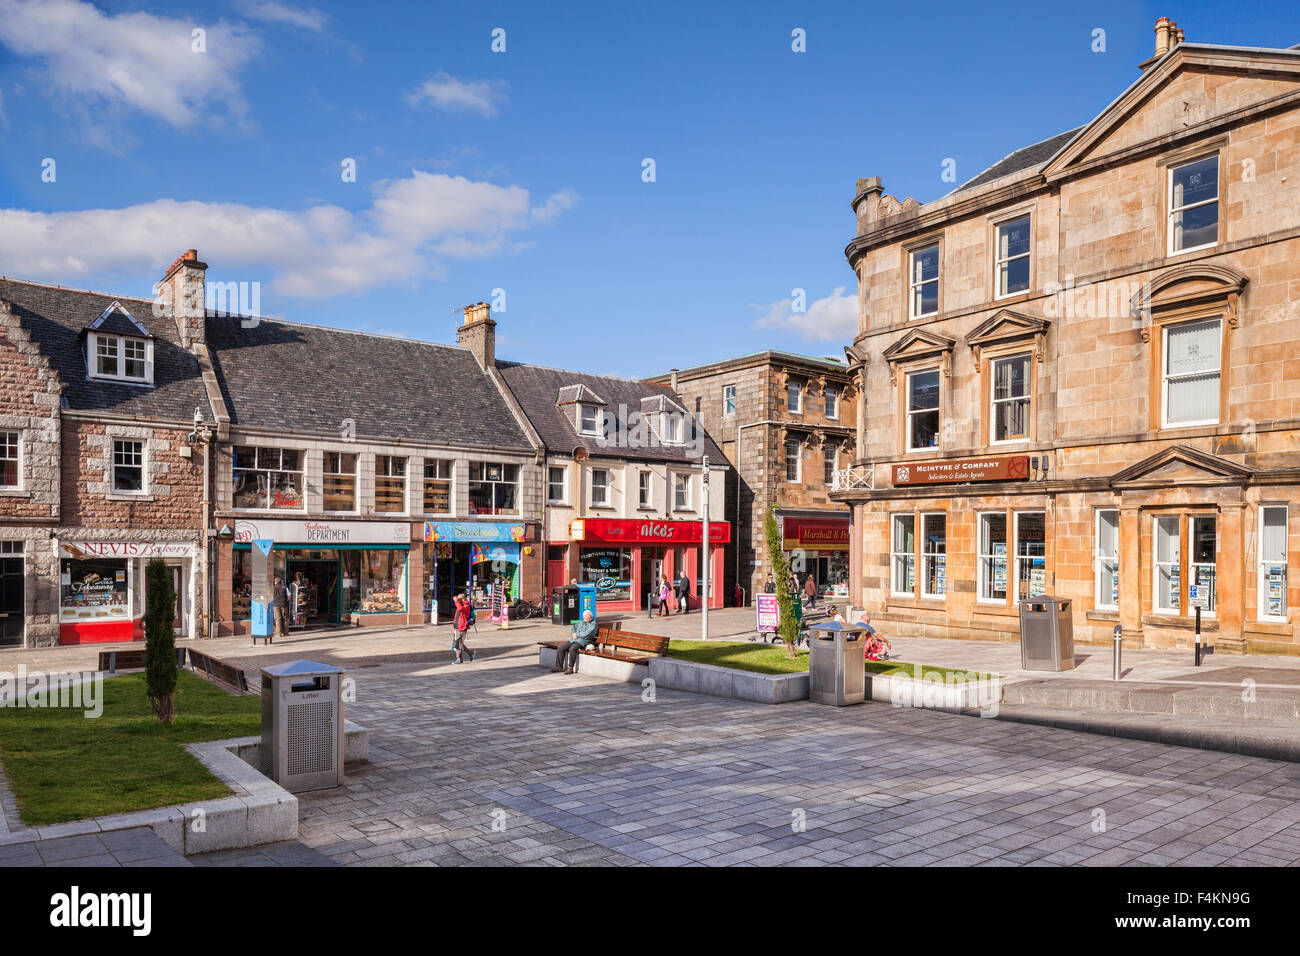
pixel 837 665
pixel 1046 634
pixel 564 604
pixel 302 725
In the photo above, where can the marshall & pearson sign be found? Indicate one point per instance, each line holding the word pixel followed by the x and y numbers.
pixel 1014 468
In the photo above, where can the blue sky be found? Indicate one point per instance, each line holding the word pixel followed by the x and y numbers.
pixel 523 170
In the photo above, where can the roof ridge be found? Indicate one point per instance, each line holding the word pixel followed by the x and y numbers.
pixel 67 288
pixel 331 328
pixel 568 371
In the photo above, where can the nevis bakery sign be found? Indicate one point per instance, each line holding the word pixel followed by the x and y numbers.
pixel 957 471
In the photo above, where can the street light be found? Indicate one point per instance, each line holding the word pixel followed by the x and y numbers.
pixel 704 617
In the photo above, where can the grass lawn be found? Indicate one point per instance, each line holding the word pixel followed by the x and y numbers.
pixel 62 766
pixel 772 659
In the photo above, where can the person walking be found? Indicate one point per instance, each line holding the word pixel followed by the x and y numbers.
pixel 770 586
pixel 665 591
pixel 810 591
pixel 683 594
pixel 461 622
pixel 280 607
pixel 584 635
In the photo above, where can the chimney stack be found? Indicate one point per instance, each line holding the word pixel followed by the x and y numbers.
pixel 1163 31
pixel 182 292
pixel 478 333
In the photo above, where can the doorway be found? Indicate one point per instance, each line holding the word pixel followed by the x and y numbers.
pixel 318 590
pixel 178 588
pixel 12 600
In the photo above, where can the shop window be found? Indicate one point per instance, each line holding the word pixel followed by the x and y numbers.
pixel 1013 246
pixel 1203 545
pixel 923 279
pixel 10 470
pixel 1272 563
pixel 599 487
pixel 1194 205
pixel 832 402
pixel 794 398
pixel 934 556
pixel 1191 373
pixel 339 485
pixel 556 484
pixel 645 489
pixel 268 478
pixel 123 357
pixel 390 484
pixel 1168 578
pixel 903 551
pixel 95 591
pixel 993 557
pixel 1010 399
pixel 729 400
pixel 128 466
pixel 437 486
pixel 1031 555
pixel 923 410
pixel 1106 560
pixel 493 488
pixel 681 492
pixel 609 569
pixel 793 461
pixel 241 584
pixel 383 582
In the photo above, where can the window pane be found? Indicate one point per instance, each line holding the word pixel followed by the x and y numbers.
pixel 1011 378
pixel 934 548
pixel 1196 227
pixel 923 391
pixel 1108 533
pixel 1167 539
pixel 9 459
pixel 1196 182
pixel 1272 546
pixel 1031 562
pixel 1194 399
pixel 1192 347
pixel 1013 238
pixel 1204 541
pixel 993 556
pixel 793 396
pixel 904 548
pixel 1014 276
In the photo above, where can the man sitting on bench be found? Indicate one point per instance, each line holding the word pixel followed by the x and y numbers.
pixel 584 636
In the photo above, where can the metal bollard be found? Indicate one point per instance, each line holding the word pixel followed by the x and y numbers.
pixel 1118 654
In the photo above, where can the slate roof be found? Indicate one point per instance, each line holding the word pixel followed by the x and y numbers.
pixel 308 378
pixel 120 321
pixel 56 319
pixel 1034 156
pixel 537 390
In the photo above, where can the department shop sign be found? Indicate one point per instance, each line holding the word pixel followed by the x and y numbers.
pixel 323 533
pixel 1015 468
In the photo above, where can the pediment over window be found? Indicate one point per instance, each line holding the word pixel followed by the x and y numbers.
pixel 1182 465
pixel 1007 326
pixel 1186 286
pixel 116 320
pixel 919 344
pixel 578 394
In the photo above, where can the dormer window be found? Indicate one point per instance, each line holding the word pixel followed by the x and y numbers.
pixel 670 428
pixel 119 348
pixel 589 419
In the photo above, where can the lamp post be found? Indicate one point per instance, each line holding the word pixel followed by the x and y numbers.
pixel 204 434
pixel 704 616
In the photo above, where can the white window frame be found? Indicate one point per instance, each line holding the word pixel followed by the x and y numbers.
pixel 144 467
pixel 583 412
pixel 1262 564
pixel 985 560
pixel 728 401
pixel 406 484
pixel 680 481
pixel 563 499
pixel 1211 612
pixel 606 487
pixel 1019 557
pixel 830 462
pixel 1165 377
pixel 798 394
pixel 451 484
pixel 300 471
pixel 18 459
pixel 1157 607
pixel 96 339
pixel 914 283
pixel 994 401
pixel 928 556
pixel 897 555
pixel 356 481
pixel 798 459
pixel 832 395
pixel 909 412
pixel 670 427
pixel 645 489
pixel 1173 210
pixel 1000 262
pixel 1100 573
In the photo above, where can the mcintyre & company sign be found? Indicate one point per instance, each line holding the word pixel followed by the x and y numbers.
pixel 1014 468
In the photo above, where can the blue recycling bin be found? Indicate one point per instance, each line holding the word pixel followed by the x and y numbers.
pixel 587 600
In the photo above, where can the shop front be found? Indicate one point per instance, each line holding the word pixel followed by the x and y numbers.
pixel 625 558
pixel 337 572
pixel 483 559
pixel 102 588
pixel 817 544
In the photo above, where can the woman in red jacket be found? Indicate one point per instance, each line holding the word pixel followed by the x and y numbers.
pixel 461 622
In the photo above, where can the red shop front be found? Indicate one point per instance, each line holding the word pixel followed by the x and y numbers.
pixel 625 559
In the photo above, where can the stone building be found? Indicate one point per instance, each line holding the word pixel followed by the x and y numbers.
pixel 624 485
pixel 1080 371
pixel 786 424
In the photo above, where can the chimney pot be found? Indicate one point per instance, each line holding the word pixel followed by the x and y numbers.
pixel 1163 33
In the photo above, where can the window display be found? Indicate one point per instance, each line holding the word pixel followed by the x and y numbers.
pixel 270 478
pixel 383 582
pixel 241 579
pixel 95 590
pixel 610 570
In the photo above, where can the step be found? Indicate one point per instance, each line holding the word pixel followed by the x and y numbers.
pixel 1121 697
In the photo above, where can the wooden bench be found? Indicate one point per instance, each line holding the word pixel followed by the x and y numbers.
pixel 132 660
pixel 218 671
pixel 616 644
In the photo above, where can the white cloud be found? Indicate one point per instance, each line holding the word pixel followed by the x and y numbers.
pixel 133 60
pixel 308 18
pixel 412 225
pixel 446 92
pixel 831 319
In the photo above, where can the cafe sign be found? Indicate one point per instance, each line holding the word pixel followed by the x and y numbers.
pixel 1014 468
